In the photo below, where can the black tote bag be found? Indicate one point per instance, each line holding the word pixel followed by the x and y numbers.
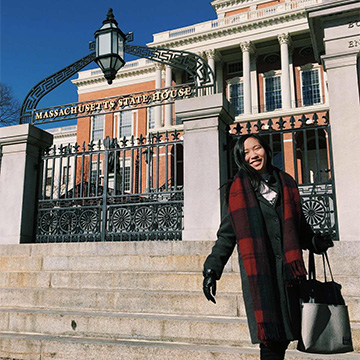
pixel 325 323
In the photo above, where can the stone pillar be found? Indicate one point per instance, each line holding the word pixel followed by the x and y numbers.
pixel 254 85
pixel 285 41
pixel 205 158
pixel 158 85
pixel 211 54
pixel 19 176
pixel 246 49
pixel 335 36
pixel 168 107
pixel 293 102
pixel 219 77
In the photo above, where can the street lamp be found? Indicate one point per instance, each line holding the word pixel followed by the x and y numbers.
pixel 110 41
pixel 109 56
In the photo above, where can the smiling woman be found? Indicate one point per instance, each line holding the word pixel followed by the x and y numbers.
pixel 255 155
pixel 266 223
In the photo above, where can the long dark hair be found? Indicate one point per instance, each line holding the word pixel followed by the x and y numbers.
pixel 239 157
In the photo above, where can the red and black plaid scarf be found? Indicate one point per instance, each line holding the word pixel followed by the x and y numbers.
pixel 249 227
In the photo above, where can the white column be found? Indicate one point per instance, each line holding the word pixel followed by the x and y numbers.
pixel 246 48
pixel 285 40
pixel 158 85
pixel 254 85
pixel 211 54
pixel 219 77
pixel 168 107
pixel 292 80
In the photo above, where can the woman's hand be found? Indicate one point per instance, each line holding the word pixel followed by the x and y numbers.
pixel 321 242
pixel 209 285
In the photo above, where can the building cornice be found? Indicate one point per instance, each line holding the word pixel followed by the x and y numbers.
pixel 99 79
pixel 225 31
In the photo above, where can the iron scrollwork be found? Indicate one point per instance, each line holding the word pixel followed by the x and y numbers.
pixel 192 63
pixel 49 84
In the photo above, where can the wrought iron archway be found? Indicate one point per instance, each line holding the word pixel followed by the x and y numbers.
pixel 187 61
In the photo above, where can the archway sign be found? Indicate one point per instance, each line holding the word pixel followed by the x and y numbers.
pixel 193 64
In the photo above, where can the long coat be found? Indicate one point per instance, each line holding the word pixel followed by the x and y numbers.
pixel 288 297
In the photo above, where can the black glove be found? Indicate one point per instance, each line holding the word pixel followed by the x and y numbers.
pixel 209 284
pixel 322 242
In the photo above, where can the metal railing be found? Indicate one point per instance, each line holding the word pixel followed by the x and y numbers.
pixel 300 146
pixel 112 191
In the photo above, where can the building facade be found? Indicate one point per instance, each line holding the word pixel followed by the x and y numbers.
pixel 262 57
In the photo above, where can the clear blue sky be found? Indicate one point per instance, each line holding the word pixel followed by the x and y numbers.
pixel 40 37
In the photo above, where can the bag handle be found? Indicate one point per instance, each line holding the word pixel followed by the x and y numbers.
pixel 311 267
pixel 325 256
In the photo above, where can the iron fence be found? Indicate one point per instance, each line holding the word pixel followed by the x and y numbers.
pixel 112 191
pixel 302 147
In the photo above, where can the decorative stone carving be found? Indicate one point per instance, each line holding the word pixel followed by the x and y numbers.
pixel 247 46
pixel 284 39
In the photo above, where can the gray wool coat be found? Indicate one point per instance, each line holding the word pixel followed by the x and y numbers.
pixel 288 297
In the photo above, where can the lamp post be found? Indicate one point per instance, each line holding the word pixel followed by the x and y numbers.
pixel 109 45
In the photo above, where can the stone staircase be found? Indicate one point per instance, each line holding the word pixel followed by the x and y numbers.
pixel 135 300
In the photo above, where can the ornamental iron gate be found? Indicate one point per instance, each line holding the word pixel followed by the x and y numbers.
pixel 302 147
pixel 112 191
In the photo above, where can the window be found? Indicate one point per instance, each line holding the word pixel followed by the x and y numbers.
pixel 125 124
pixel 95 172
pixel 234 68
pixel 66 172
pixel 272 92
pixel 151 117
pixel 310 87
pixel 236 95
pixel 98 127
pixel 48 176
pixel 126 179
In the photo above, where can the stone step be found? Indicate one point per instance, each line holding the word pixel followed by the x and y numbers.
pixel 341 249
pixel 172 263
pixel 130 301
pixel 171 281
pixel 164 258
pixel 225 331
pixel 34 347
pixel 230 331
pixel 109 248
pixel 164 302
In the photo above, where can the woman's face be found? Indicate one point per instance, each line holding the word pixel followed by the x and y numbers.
pixel 255 155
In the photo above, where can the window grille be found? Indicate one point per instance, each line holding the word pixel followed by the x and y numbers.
pixel 237 98
pixel 310 87
pixel 126 178
pixel 273 93
pixel 98 127
pixel 125 127
pixel 235 68
pixel 151 117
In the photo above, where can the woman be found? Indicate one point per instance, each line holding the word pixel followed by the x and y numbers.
pixel 265 221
